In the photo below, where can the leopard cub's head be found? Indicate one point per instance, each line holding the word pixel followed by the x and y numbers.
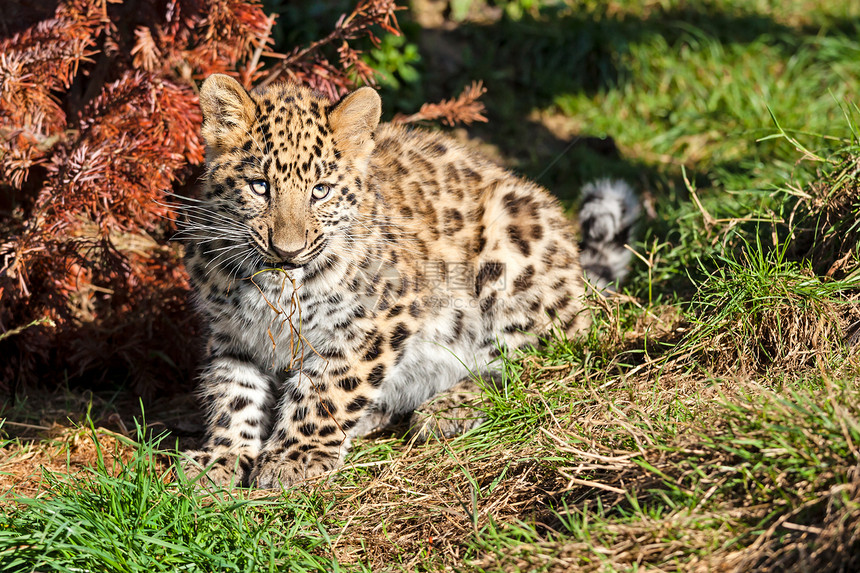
pixel 285 166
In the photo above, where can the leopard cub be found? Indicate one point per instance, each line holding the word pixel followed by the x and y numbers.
pixel 352 272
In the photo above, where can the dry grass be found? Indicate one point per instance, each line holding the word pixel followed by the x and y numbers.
pixel 442 505
pixel 826 214
pixel 783 336
pixel 581 474
pixel 826 539
pixel 24 464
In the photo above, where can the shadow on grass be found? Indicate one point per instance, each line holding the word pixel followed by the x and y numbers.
pixel 41 415
pixel 525 64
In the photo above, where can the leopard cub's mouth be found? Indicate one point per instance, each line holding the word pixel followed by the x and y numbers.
pixel 268 264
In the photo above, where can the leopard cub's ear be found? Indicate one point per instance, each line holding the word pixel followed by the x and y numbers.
pixel 228 112
pixel 354 119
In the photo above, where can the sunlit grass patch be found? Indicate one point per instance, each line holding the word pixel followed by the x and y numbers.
pixel 759 310
pixel 129 512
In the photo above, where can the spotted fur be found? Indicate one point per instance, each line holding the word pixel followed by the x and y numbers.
pixel 351 272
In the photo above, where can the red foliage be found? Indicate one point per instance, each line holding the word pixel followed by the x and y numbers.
pixel 465 108
pixel 99 120
pixel 34 64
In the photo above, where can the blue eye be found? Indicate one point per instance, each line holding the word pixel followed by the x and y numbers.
pixel 321 191
pixel 259 186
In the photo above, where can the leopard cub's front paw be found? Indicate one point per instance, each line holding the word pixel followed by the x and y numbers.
pixel 221 468
pixel 449 414
pixel 425 425
pixel 282 469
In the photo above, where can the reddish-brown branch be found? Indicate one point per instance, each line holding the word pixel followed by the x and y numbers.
pixel 359 22
pixel 465 109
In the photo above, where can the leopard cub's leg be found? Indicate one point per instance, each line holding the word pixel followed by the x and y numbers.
pixel 316 421
pixel 238 395
pixel 454 411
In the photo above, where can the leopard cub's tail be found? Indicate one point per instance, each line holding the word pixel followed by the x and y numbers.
pixel 609 211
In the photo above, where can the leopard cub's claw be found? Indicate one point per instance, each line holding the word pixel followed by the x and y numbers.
pixel 221 469
pixel 275 470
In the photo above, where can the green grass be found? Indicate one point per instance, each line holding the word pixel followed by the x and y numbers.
pixel 136 516
pixel 711 417
pixel 758 309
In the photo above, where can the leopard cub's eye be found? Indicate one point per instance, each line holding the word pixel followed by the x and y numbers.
pixel 259 186
pixel 321 191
